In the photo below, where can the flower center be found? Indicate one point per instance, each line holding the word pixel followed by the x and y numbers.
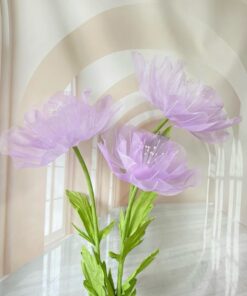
pixel 151 151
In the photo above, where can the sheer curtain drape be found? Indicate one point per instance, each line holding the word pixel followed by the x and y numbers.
pixel 21 192
pixel 5 82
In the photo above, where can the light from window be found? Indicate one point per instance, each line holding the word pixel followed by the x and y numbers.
pixel 54 206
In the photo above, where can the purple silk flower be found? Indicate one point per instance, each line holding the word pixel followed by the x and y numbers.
pixel 187 104
pixel 150 162
pixel 63 122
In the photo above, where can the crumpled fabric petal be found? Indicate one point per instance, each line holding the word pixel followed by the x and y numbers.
pixel 187 104
pixel 64 121
pixel 150 162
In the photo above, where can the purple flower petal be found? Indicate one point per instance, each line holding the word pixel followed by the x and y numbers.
pixel 151 162
pixel 189 105
pixel 63 122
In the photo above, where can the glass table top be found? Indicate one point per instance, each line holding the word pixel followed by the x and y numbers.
pixel 202 253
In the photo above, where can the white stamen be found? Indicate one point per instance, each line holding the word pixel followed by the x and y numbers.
pixel 150 152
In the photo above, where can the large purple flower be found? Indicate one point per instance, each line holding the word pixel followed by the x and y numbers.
pixel 187 104
pixel 151 162
pixel 63 122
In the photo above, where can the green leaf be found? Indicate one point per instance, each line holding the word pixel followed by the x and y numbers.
pixel 110 278
pixel 128 287
pixel 121 222
pixel 81 204
pixel 136 238
pixel 114 256
pixel 90 289
pixel 94 275
pixel 142 206
pixel 132 233
pixel 109 284
pixel 83 234
pixel 74 198
pixel 105 231
pixel 145 263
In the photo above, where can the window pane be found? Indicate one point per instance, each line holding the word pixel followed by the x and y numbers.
pixel 59 182
pixel 60 161
pixel 68 89
pixel 57 221
pixel 47 217
pixel 48 183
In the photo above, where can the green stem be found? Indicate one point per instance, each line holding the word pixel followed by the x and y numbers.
pixel 119 277
pixel 128 211
pixel 160 125
pixel 133 192
pixel 91 196
pixel 125 230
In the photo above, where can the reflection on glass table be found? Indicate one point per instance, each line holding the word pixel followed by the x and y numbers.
pixel 201 253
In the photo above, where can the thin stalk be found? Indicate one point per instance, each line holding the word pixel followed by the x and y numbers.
pixel 128 211
pixel 122 259
pixel 160 125
pixel 91 196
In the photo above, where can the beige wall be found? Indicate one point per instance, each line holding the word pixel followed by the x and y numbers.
pixel 24 217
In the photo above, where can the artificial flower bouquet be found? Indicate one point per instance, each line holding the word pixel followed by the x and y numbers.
pixel 149 160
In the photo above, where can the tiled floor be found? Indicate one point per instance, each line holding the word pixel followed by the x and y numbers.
pixel 203 253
